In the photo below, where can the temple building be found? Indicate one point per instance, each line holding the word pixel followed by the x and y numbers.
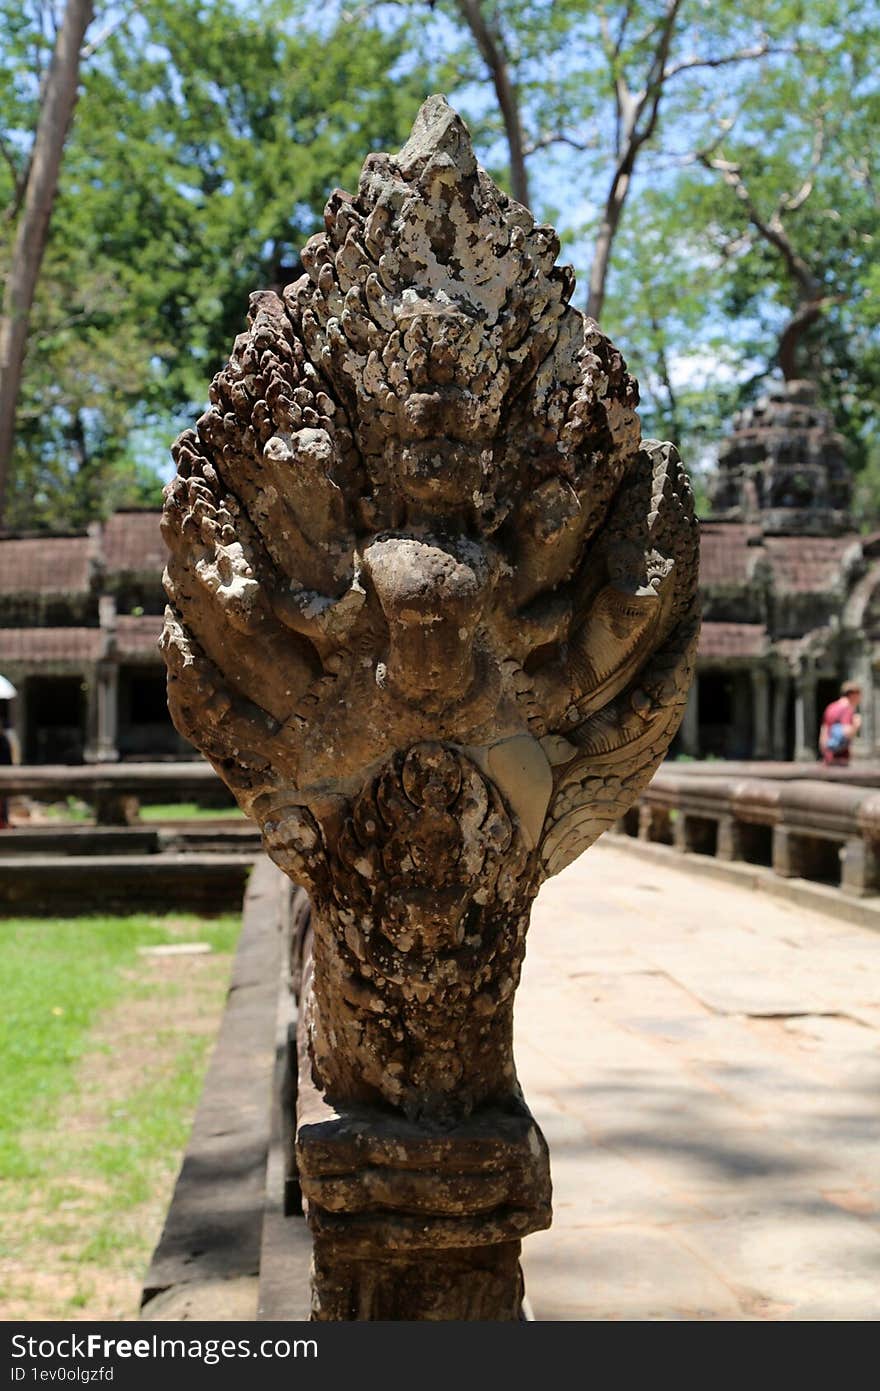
pixel 80 617
pixel 791 607
pixel 791 592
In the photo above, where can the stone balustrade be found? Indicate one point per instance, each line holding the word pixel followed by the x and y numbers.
pixel 812 828
pixel 112 789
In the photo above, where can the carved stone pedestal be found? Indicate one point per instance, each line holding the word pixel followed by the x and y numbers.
pixel 414 1223
pixel 481 1282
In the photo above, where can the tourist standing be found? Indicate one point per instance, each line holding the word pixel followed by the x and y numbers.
pixel 840 725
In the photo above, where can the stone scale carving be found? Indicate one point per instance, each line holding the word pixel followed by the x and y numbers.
pixel 432 617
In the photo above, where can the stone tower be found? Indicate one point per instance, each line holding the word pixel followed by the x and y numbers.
pixel 784 466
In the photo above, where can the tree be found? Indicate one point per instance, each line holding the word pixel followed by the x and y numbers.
pixel 811 302
pixel 717 167
pixel 490 41
pixel 773 260
pixel 34 195
pixel 207 139
pixel 638 100
pixel 208 134
pixel 595 81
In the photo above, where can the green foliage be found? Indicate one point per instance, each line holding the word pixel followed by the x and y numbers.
pixel 189 811
pixel 804 157
pixel 205 143
pixel 697 304
pixel 664 308
pixel 209 134
pixel 78 811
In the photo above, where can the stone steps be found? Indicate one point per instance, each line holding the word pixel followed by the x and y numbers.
pixel 37 885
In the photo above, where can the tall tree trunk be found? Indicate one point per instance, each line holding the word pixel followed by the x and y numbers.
pixel 637 116
pixel 791 360
pixel 605 237
pixel 492 51
pixel 56 111
pixel 672 423
pixel 811 302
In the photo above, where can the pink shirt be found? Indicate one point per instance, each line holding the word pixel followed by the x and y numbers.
pixel 838 712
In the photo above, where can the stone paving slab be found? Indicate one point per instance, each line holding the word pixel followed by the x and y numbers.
pixel 819 900
pixel 704 1060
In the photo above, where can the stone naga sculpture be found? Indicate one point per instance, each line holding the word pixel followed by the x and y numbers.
pixel 432 617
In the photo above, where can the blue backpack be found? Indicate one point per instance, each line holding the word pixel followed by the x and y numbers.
pixel 837 741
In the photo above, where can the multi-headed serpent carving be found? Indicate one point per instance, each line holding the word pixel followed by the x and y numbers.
pixel 432 616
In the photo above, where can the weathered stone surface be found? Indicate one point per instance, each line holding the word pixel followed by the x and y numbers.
pixel 358 1160
pixel 206 1264
pixel 482 1283
pixel 705 1165
pixel 432 616
pixel 785 465
pixel 49 884
pixel 214 1301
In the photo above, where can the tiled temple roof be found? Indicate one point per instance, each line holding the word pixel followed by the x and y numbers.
pixel 132 542
pixel 732 640
pixel 138 633
pixel 725 554
pixel 50 644
pixel 45 565
pixel 800 564
pixel 808 564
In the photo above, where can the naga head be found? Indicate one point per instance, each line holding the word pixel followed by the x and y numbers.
pixel 404 501
pixel 431 304
pixel 417 515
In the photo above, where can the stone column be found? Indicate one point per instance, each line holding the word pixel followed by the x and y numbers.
pixel 806 731
pixel 864 745
pixel 108 712
pixel 689 734
pixel 729 845
pixel 91 681
pixel 760 714
pixel 19 717
pixel 102 713
pixel 742 717
pixel 788 853
pixel 780 715
pixel 860 867
pixel 103 697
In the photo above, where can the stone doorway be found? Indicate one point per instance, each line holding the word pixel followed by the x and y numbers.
pixel 55 719
pixel 145 728
pixel 725 713
pixel 827 689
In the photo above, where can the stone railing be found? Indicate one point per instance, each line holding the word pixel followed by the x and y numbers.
pixel 112 789
pixel 815 828
pixel 860 773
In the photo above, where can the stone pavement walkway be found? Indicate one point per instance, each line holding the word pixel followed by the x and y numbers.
pixel 704 1061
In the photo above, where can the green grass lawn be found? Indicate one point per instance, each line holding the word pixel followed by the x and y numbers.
pixel 75 810
pixel 190 811
pixel 102 1054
